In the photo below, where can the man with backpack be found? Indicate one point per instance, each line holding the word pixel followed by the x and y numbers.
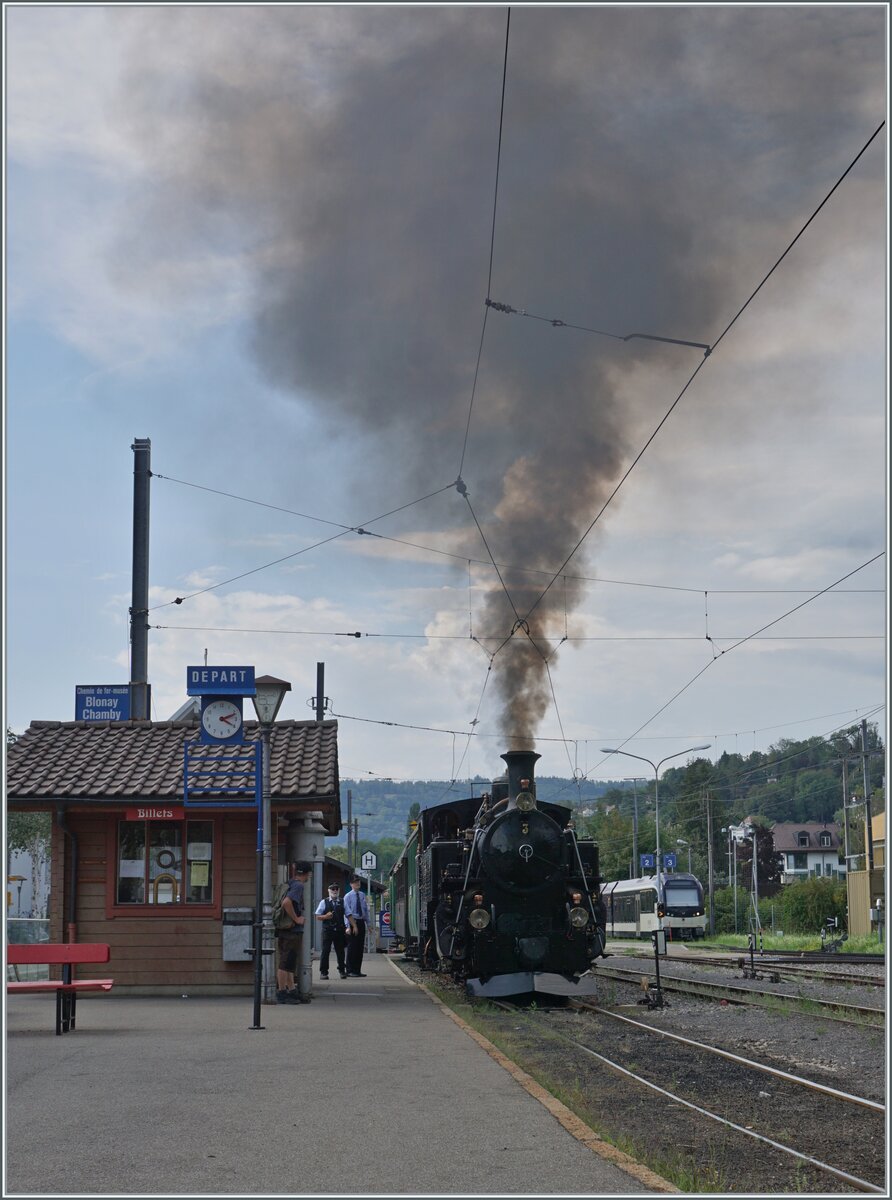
pixel 288 917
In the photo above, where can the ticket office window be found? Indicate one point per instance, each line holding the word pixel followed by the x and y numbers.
pixel 165 863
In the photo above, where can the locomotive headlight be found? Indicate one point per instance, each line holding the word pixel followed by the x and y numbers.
pixel 478 918
pixel 526 801
pixel 578 918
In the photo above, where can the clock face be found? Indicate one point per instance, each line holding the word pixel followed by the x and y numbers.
pixel 221 718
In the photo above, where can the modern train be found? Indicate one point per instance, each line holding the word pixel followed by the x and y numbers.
pixel 499 892
pixel 636 907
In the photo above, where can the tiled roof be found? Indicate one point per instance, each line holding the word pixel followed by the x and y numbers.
pixel 786 835
pixel 143 760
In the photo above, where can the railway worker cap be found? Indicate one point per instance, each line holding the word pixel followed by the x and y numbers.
pixel 334 887
pixel 356 879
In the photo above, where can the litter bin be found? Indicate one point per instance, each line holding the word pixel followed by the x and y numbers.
pixel 238 935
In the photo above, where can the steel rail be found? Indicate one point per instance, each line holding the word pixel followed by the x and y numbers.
pixel 742 995
pixel 802 970
pixel 861 1184
pixel 746 1062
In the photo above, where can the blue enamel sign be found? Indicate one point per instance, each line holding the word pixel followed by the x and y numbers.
pixel 220 681
pixel 102 702
pixel 648 862
pixel 669 861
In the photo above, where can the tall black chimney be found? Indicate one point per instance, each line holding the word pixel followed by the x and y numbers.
pixel 140 691
pixel 521 765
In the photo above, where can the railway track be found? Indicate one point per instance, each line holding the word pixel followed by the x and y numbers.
pixel 752 1064
pixel 779 965
pixel 818 1107
pixel 832 1009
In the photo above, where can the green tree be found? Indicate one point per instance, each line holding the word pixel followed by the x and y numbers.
pixel 724 910
pixel 808 903
pixel 29 833
pixel 769 864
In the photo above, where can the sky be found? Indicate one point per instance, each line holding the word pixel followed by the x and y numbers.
pixel 263 238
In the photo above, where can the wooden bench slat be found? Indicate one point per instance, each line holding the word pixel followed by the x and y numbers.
pixel 55 985
pixel 38 953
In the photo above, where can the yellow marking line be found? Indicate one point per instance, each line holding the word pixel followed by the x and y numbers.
pixel 574 1125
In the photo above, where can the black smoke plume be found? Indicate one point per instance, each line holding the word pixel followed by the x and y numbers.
pixel 654 161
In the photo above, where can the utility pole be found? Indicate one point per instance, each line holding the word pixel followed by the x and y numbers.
pixel 635 867
pixel 848 804
pixel 709 862
pixel 868 830
pixel 139 602
pixel 320 691
pixel 349 827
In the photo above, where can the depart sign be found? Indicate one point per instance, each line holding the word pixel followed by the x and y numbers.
pixel 220 681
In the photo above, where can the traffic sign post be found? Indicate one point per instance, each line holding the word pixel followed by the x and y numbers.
pixel 366 872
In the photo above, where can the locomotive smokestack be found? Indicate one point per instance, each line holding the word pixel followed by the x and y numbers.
pixel 521 767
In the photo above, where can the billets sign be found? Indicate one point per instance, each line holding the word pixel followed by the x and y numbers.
pixel 154 813
pixel 220 681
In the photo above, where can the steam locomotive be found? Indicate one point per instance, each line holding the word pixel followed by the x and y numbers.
pixel 499 892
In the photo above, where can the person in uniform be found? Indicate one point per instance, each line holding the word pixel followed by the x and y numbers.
pixel 356 911
pixel 334 930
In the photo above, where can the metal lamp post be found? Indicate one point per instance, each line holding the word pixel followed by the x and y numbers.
pixel 267 702
pixel 656 771
pixel 682 842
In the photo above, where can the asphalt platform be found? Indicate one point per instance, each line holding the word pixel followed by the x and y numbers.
pixel 370 1090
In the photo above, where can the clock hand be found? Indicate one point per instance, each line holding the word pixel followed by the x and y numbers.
pixel 228 718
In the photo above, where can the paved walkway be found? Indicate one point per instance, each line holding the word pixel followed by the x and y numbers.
pixel 370 1090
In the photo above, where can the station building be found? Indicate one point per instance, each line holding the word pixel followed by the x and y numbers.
pixel 161 883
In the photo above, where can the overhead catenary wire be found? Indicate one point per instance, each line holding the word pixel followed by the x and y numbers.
pixel 696 371
pixel 344 530
pixel 718 658
pixel 492 244
pixel 716 785
pixel 620 337
pixel 357 634
pixel 485 562
pixel 467 499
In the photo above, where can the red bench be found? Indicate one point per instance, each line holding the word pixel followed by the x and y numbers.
pixel 67 954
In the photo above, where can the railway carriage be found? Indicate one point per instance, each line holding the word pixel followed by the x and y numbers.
pixel 635 906
pixel 498 891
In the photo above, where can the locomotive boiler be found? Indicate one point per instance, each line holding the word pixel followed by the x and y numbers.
pixel 498 891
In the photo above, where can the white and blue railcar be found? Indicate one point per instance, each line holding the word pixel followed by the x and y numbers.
pixel 636 907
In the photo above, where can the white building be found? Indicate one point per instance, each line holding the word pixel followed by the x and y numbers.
pixel 809 848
